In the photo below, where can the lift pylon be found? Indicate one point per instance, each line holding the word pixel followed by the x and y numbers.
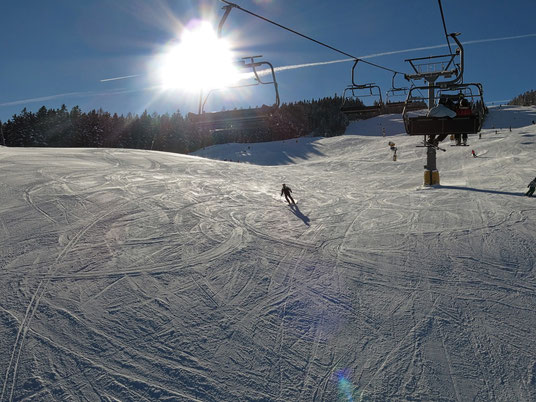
pixel 430 69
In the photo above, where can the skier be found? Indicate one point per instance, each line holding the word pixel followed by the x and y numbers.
pixel 393 148
pixel 286 190
pixel 473 153
pixel 532 187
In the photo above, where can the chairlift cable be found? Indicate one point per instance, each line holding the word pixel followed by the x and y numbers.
pixel 444 25
pixel 308 37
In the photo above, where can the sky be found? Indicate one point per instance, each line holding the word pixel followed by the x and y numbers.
pixel 73 52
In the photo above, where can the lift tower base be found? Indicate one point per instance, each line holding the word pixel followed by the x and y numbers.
pixel 431 174
pixel 431 178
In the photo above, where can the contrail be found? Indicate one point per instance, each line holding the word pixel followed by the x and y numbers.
pixel 471 42
pixel 78 95
pixel 120 78
pixel 323 63
pixel 44 98
pixel 264 72
pixel 498 39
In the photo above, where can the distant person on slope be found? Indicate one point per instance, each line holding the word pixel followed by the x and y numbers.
pixel 286 190
pixel 532 187
pixel 474 153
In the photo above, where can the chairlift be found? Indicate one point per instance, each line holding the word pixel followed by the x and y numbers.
pixel 353 105
pixel 239 119
pixel 451 96
pixel 445 93
pixel 395 99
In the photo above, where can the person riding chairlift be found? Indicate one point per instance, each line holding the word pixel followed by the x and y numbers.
pixel 464 109
pixel 444 108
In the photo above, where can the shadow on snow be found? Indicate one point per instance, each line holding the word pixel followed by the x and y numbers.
pixel 479 190
pixel 296 211
pixel 265 153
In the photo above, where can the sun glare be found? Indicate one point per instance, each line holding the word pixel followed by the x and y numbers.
pixel 200 61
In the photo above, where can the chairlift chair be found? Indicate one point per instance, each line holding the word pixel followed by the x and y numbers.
pixel 392 103
pixel 395 99
pixel 239 119
pixel 428 125
pixel 397 107
pixel 419 124
pixel 353 95
pixel 353 106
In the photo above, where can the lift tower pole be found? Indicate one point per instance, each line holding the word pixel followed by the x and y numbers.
pixel 430 69
pixel 431 164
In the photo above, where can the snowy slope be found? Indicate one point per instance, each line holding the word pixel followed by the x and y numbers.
pixel 135 275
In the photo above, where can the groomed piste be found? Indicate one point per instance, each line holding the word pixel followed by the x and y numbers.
pixel 139 275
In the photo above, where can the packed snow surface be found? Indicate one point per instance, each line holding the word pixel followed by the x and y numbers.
pixel 136 275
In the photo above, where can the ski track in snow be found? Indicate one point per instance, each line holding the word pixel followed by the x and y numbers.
pixel 136 275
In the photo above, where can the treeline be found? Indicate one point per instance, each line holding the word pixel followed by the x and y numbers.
pixel 526 99
pixel 173 133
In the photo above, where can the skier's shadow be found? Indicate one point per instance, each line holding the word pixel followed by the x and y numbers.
pixel 296 211
pixel 481 190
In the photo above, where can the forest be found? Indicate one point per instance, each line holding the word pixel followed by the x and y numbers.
pixel 176 132
pixel 525 99
pixel 164 132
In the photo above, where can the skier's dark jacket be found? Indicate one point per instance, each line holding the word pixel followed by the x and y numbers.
pixel 286 190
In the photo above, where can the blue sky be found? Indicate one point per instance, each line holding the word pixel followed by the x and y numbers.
pixel 60 51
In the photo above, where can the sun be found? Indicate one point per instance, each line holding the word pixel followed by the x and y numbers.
pixel 200 61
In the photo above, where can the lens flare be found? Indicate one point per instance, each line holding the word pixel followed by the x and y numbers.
pixel 347 391
pixel 200 61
